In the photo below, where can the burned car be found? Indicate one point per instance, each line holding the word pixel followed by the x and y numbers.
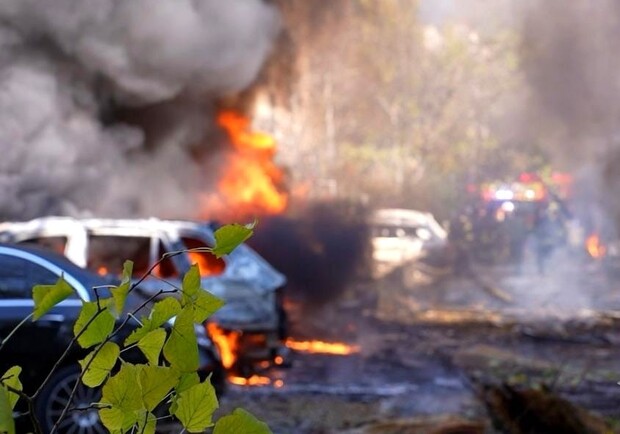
pixel 409 242
pixel 252 320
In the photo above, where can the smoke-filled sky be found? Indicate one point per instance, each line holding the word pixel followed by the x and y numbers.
pixel 69 67
pixel 103 98
pixel 568 57
pixel 571 64
pixel 568 53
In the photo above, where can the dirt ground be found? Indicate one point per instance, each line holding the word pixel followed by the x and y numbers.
pixel 430 351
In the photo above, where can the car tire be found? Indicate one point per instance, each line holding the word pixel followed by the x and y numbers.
pixel 54 397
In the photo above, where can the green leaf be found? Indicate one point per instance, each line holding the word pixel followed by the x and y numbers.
pixel 147 423
pixel 181 349
pixel 7 424
pixel 123 389
pixel 140 332
pixel 127 271
pixel 240 421
pixel 156 382
pixel 203 303
pixel 100 327
pixel 47 296
pixel 191 282
pixel 116 420
pixel 195 407
pixel 186 381
pixel 101 365
pixel 151 345
pixel 11 378
pixel 162 311
pixel 228 237
pixel 124 395
pixel 173 404
pixel 120 292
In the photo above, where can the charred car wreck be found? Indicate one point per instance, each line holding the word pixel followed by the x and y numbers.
pixel 252 322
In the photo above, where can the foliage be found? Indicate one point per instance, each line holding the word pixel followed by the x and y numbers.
pixel 230 236
pixel 131 392
pixel 240 421
pixel 397 111
pixel 47 296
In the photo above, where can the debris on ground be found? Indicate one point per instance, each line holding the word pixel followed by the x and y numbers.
pixel 436 424
pixel 532 411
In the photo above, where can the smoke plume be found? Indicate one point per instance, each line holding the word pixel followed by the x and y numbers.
pixel 320 249
pixel 102 98
pixel 571 63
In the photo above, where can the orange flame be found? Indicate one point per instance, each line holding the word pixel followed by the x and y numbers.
pixel 226 342
pixel 594 246
pixel 254 380
pixel 238 128
pixel 102 271
pixel 322 347
pixel 252 182
pixel 207 263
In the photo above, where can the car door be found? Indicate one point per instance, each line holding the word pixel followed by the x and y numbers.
pixel 19 272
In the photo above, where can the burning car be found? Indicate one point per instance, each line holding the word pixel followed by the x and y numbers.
pixel 248 328
pixel 401 237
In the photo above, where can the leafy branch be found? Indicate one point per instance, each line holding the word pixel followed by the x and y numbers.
pixel 131 394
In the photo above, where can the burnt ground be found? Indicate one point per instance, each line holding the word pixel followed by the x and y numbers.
pixel 429 349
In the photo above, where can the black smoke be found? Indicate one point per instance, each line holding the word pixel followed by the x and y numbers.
pixel 320 249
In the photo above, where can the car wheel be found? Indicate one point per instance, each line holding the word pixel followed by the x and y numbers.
pixel 54 398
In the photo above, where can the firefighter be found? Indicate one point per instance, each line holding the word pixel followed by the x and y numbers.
pixel 518 232
pixel 547 236
pixel 461 237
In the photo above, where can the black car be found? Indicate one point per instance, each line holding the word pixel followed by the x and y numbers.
pixel 37 346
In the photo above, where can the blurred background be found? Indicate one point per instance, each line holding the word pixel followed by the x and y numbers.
pixel 397 103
